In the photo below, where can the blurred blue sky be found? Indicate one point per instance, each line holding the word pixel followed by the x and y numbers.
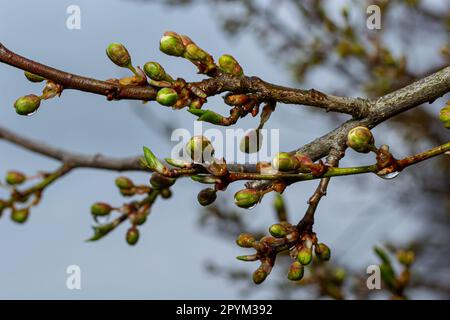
pixel 34 256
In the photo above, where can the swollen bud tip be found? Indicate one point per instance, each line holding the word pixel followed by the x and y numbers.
pixel 361 139
pixel 27 105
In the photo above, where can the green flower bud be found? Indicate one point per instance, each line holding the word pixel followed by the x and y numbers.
pixel 247 198
pixel 167 97
pixel 444 116
pixel 158 181
pixel 172 44
pixel 296 271
pixel 284 161
pixel 124 183
pixel 406 257
pixel 27 105
pixel 166 193
pixel 304 256
pixel 322 251
pixel 200 149
pixel 207 196
pixel 33 77
pixel 259 275
pixel 15 178
pixel 101 209
pixel 278 230
pixel 118 54
pixel 132 236
pixel 245 240
pixel 20 215
pixel 228 64
pixel 361 140
pixel 156 72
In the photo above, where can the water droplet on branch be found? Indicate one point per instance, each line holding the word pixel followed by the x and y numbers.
pixel 389 176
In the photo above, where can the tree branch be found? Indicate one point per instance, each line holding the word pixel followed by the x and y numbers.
pixel 356 107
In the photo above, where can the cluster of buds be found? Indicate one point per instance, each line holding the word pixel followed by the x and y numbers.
pixel 444 115
pixel 23 199
pixel 29 104
pixel 284 237
pixel 136 212
pixel 182 46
